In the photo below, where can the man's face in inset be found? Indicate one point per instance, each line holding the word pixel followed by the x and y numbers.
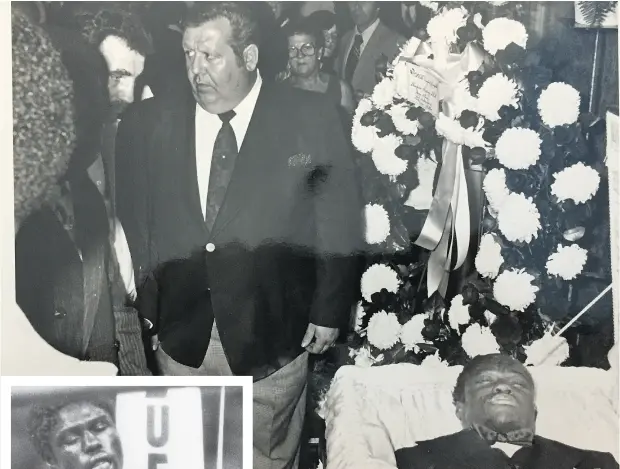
pixel 85 438
pixel 501 398
pixel 124 66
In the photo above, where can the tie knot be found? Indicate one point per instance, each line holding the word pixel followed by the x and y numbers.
pixel 225 117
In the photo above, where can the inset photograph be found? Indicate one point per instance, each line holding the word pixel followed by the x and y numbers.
pixel 65 426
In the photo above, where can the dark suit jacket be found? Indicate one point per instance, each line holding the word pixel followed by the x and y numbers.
pixel 284 237
pixel 383 41
pixel 68 299
pixel 467 450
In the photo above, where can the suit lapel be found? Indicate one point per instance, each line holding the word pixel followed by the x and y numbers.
pixel 250 154
pixel 373 43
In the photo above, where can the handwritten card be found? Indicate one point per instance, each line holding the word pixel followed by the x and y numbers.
pixel 161 431
pixel 418 85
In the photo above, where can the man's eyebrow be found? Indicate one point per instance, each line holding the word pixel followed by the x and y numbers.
pixel 93 421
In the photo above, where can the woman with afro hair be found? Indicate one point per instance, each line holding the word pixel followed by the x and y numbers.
pixel 67 280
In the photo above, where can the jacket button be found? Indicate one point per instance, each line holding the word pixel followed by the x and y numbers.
pixel 210 247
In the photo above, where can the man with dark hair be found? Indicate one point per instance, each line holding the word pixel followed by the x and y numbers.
pixel 79 434
pixel 494 397
pixel 242 213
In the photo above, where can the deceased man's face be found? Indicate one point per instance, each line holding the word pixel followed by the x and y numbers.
pixel 499 398
pixel 85 438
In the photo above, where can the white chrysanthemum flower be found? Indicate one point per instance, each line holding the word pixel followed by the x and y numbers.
pixel 383 330
pixel 478 340
pixel 518 148
pixel 364 106
pixel 421 197
pixel 434 362
pixel 495 189
pixel 489 258
pixel 578 183
pixel 431 5
pixel 364 358
pixel 384 156
pixel 497 91
pixel 462 100
pixel 359 317
pixel 442 28
pixel 383 94
pixel 377 224
pixel 411 332
pixel 363 137
pixel 514 289
pixel 549 350
pixel 376 278
pixel 518 218
pixel 455 132
pixel 403 124
pixel 567 262
pixel 500 32
pixel 558 105
pixel 458 314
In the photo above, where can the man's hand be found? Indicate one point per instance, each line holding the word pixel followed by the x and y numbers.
pixel 318 338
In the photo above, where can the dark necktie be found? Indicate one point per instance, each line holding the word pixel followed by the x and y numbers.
pixel 222 165
pixel 353 58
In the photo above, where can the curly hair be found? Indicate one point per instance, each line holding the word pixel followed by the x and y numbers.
pixel 307 27
pixel 242 18
pixel 43 419
pixel 43 115
pixel 98 20
pixel 494 361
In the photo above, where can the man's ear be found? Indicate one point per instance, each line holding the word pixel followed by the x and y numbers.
pixel 250 57
pixel 460 411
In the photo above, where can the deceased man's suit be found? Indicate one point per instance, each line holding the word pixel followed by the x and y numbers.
pixel 467 450
pixel 281 251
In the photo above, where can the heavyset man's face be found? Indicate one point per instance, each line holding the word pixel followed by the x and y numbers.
pixel 501 399
pixel 218 77
pixel 85 438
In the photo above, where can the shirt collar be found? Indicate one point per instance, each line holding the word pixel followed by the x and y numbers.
pixel 368 31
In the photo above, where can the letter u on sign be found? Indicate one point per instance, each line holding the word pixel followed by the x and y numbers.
pixel 161 431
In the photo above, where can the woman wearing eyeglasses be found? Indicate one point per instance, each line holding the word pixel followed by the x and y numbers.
pixel 305 49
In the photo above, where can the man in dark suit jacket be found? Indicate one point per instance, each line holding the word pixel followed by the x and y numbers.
pixel 494 398
pixel 245 225
pixel 368 43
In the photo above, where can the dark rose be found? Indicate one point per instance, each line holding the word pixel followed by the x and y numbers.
pixel 511 55
pixel 467 33
pixel 478 155
pixel 431 330
pixel 471 295
pixel 406 152
pixel 413 113
pixel 507 330
pixel 427 120
pixel 368 119
pixel 476 79
pixel 468 119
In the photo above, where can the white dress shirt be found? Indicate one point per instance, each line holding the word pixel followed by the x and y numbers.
pixel 366 35
pixel 508 448
pixel 207 127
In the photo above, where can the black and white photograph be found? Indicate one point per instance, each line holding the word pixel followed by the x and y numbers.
pixel 398 219
pixel 99 426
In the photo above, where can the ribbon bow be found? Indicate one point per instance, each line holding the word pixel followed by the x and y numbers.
pixel 448 221
pixel 521 437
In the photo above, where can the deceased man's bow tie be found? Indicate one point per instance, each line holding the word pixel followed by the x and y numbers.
pixel 521 437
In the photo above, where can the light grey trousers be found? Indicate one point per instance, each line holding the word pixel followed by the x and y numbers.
pixel 279 403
